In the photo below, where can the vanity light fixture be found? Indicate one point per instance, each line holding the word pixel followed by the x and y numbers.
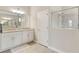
pixel 70 23
pixel 17 11
pixel 20 19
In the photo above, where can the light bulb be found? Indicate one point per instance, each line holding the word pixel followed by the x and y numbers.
pixel 70 23
pixel 17 11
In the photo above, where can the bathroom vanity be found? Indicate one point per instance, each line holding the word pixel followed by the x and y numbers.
pixel 14 28
pixel 13 38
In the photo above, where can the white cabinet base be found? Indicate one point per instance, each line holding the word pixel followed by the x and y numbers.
pixel 10 40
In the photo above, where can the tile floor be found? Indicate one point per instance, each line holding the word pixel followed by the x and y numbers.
pixel 31 48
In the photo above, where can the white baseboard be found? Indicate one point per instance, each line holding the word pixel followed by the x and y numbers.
pixel 56 50
pixel 41 43
pixel 51 48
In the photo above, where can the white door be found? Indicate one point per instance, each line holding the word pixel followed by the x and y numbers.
pixel 42 27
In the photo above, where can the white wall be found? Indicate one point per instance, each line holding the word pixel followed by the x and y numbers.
pixel 33 17
pixel 33 12
pixel 65 40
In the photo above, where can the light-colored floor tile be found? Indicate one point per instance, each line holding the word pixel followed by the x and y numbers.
pixel 31 48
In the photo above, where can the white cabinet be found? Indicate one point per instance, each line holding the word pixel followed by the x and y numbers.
pixel 12 39
pixel 4 42
pixel 7 41
pixel 25 35
pixel 30 36
pixel 18 38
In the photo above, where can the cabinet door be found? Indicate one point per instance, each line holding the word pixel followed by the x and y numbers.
pixel 31 36
pixel 25 35
pixel 4 41
pixel 7 41
pixel 18 38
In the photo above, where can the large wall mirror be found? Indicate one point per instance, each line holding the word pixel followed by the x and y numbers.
pixel 67 18
pixel 12 20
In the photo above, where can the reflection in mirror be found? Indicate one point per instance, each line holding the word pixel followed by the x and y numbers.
pixel 10 20
pixel 65 19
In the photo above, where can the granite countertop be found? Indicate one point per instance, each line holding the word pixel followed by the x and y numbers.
pixel 17 30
